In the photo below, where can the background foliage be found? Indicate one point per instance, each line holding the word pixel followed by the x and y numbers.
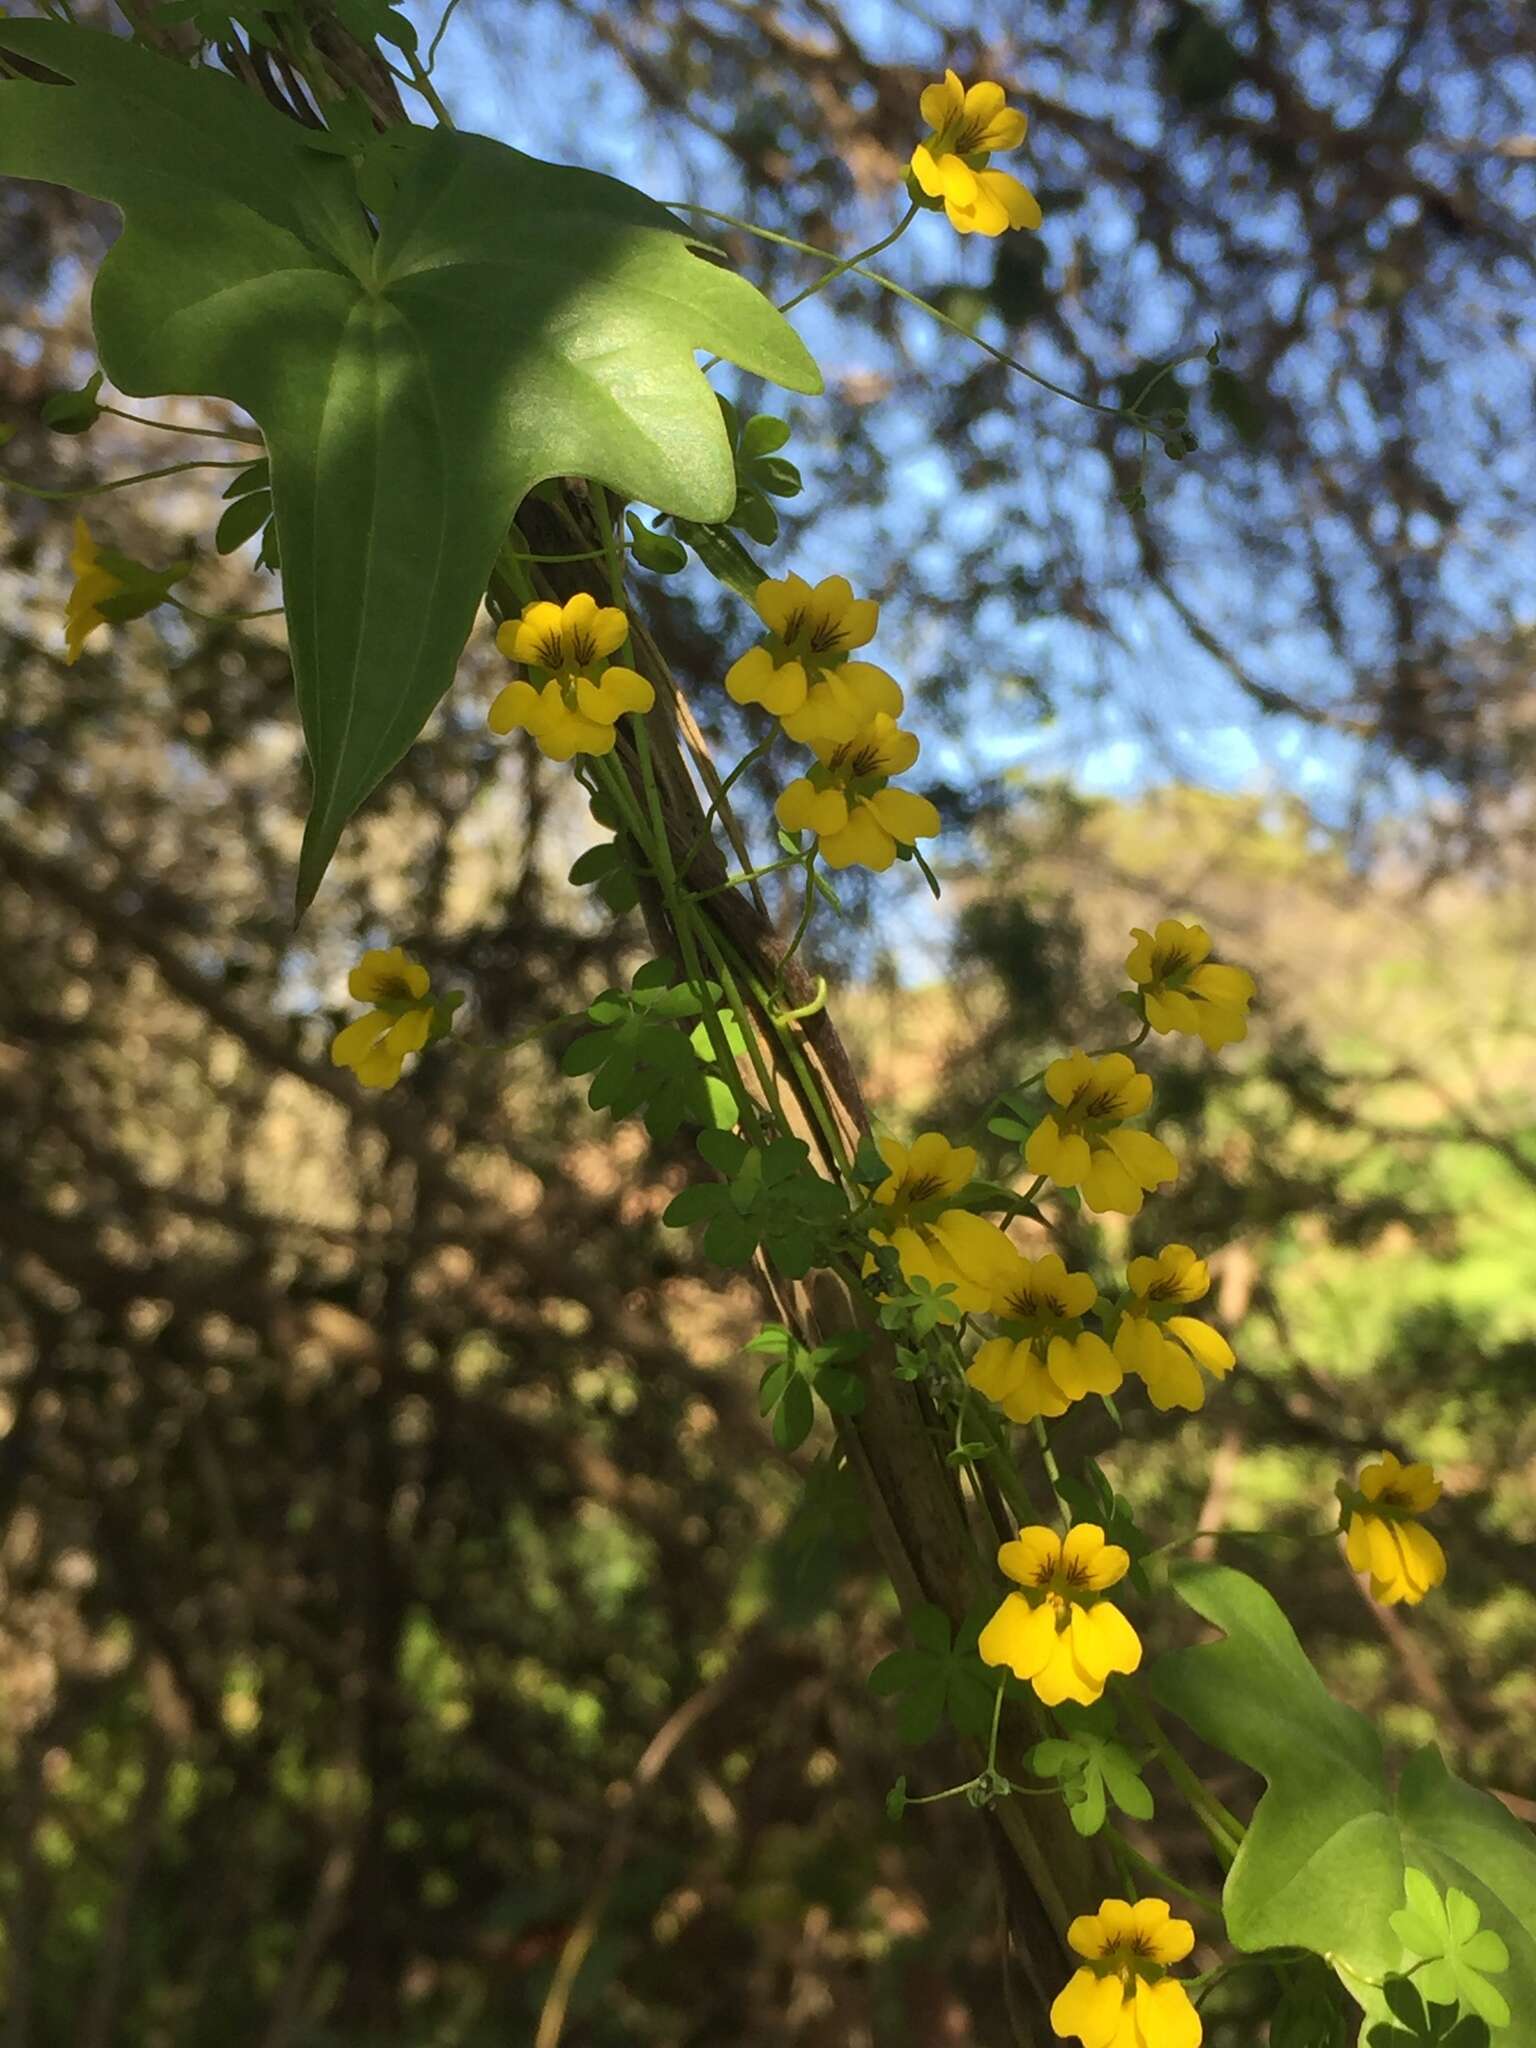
pixel 399 1577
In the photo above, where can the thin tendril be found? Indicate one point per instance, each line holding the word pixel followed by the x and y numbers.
pixel 120 483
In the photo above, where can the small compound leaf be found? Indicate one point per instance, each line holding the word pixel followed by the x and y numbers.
pixel 794 1416
pixel 246 516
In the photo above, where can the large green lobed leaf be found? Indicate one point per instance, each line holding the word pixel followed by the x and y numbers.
pixel 510 321
pixel 1323 1860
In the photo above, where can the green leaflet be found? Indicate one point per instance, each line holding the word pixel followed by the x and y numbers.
pixel 1323 1865
pixel 513 321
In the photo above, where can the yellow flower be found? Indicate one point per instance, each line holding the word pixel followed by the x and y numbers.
pixel 1047 1360
pixel 577 695
pixel 937 1245
pixel 809 632
pixel 950 165
pixel 1404 1560
pixel 1060 1633
pixel 1122 1999
pixel 852 694
pixel 375 1046
pixel 1182 989
pixel 1165 1349
pixel 846 800
pixel 924 1171
pixel 92 584
pixel 1077 1145
pixel 955 1248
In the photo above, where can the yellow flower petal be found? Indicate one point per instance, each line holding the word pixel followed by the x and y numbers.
pixel 1032 1556
pixel 822 811
pixel 781 602
pixel 1065 1077
pixel 1018 1635
pixel 1164 2016
pixel 939 104
pixel 1107 1188
pixel 756 679
pixel 1147 1159
pixel 1017 204
pixel 1089 2008
pixel 616 691
pixel 537 639
pixel 1423 1559
pixel 906 816
pixel 841 702
pixel 1207 1346
pixel 1083 1365
pixel 356 1040
pixel 1170 1375
pixel 861 843
pixel 514 709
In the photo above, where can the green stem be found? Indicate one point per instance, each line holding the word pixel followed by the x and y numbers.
pixel 442 30
pixel 1160 1877
pixel 192 611
pixel 738 881
pixel 1008 1477
pixel 660 848
pixel 119 483
pixel 785 1034
pixel 1052 1469
pixel 997 1720
pixel 889 284
pixel 422 82
pixel 173 427
pixel 1240 1536
pixel 1224 1830
pixel 852 262
pixel 700 840
pixel 805 917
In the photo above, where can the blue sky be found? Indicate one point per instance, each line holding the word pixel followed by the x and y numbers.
pixel 1154 707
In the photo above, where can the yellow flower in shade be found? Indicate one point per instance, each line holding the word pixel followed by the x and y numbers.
pixel 936 1245
pixel 1122 1997
pixel 809 632
pixel 577 695
pixel 1383 1538
pixel 955 1249
pixel 846 800
pixel 1079 1145
pixel 401 1022
pixel 1162 1347
pixel 924 1171
pixel 1047 1361
pixel 950 165
pixel 92 584
pixel 1183 989
pixel 1060 1633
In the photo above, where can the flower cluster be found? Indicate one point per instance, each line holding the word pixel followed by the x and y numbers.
pixel 1122 1997
pixel 405 1016
pixel 845 712
pixel 1382 1536
pixel 575 695
pixel 949 166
